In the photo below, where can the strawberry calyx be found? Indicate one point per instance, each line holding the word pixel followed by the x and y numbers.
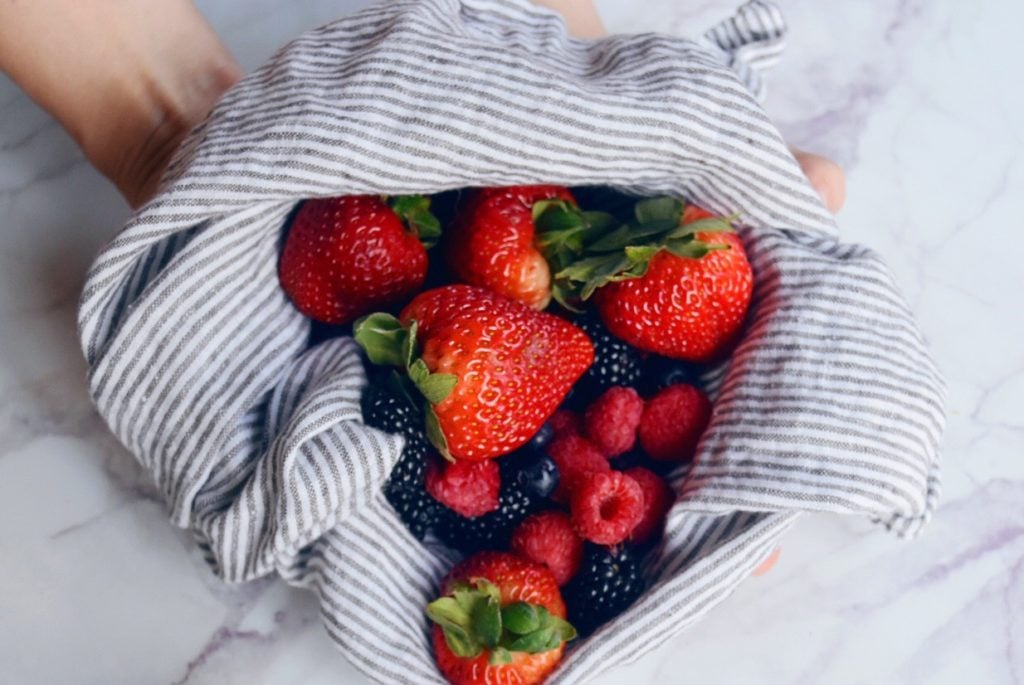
pixel 606 252
pixel 473 620
pixel 387 342
pixel 563 232
pixel 414 211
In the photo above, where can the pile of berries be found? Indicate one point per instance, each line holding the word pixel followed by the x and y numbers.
pixel 545 383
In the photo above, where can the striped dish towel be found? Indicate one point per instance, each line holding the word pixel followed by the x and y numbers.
pixel 201 366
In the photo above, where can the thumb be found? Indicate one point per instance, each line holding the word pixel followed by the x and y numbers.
pixel 826 176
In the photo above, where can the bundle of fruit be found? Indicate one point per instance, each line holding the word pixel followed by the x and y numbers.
pixel 536 442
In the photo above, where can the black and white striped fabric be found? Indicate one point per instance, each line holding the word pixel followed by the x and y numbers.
pixel 201 366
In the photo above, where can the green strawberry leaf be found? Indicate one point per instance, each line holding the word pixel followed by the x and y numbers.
pixel 435 387
pixel 565 297
pixel 487 621
pixel 556 216
pixel 409 345
pixel 598 224
pixel 455 622
pixel 563 629
pixel 605 274
pixel 541 207
pixel 465 595
pixel 415 212
pixel 535 642
pixel 658 209
pixel 583 270
pixel 641 254
pixel 713 224
pixel 448 611
pixel 434 432
pixel 500 656
pixel 461 642
pixel 418 372
pixel 520 618
pixel 488 589
pixel 384 339
pixel 691 249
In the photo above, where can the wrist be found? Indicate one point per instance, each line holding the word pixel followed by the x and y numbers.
pixel 127 79
pixel 133 131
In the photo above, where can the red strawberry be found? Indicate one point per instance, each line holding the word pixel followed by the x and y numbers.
pixel 492 369
pixel 493 242
pixel 667 284
pixel 469 488
pixel 500 621
pixel 683 308
pixel 346 256
pixel 549 538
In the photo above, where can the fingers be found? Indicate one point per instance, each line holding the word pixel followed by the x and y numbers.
pixel 826 176
pixel 768 563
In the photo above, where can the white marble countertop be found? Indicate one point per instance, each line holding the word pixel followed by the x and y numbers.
pixel 920 101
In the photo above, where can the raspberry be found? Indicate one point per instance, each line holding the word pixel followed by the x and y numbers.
pixel 658 498
pixel 612 420
pixel 607 508
pixel 673 421
pixel 548 538
pixel 469 488
pixel 566 421
pixel 576 459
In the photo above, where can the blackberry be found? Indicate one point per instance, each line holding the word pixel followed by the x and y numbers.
pixel 388 407
pixel 406 491
pixel 661 372
pixel 493 530
pixel 608 582
pixel 615 361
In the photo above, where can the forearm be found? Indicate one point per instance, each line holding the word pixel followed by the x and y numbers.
pixel 127 79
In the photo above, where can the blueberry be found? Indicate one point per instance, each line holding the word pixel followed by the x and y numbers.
pixel 537 474
pixel 541 438
pixel 661 372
